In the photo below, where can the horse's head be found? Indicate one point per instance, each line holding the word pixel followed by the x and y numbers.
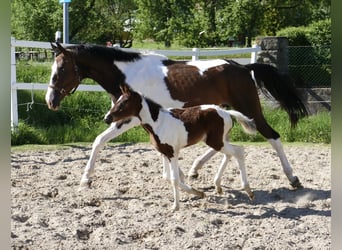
pixel 64 78
pixel 129 104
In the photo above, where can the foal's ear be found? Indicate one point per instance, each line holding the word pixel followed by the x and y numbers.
pixel 125 89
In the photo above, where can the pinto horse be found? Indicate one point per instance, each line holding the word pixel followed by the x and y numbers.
pixel 173 129
pixel 175 84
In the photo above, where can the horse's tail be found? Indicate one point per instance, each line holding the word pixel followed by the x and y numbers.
pixel 247 124
pixel 280 86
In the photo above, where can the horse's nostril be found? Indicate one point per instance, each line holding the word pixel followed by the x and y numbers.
pixel 108 119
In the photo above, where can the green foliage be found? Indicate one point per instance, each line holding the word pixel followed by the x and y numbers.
pixel 320 33
pixel 199 23
pixel 297 36
pixel 36 20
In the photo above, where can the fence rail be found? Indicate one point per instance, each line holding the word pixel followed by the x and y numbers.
pixel 195 54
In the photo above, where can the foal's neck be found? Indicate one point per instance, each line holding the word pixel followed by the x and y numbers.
pixel 150 111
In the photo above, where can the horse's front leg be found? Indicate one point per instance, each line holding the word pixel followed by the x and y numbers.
pixel 111 132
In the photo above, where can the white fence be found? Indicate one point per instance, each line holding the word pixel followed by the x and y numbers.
pixel 195 53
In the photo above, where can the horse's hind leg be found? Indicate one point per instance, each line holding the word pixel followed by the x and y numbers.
pixel 251 108
pixel 199 162
pixel 294 181
pixel 274 139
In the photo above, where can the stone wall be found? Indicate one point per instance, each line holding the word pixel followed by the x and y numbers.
pixel 274 51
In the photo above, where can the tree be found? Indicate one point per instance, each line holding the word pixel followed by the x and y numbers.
pixel 35 20
pixel 90 21
pixel 102 20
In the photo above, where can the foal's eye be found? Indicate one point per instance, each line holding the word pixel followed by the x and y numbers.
pixel 121 106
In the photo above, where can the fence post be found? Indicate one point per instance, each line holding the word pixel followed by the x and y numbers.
pixel 195 54
pixel 14 101
pixel 254 54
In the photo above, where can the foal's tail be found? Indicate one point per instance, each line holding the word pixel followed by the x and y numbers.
pixel 280 86
pixel 247 124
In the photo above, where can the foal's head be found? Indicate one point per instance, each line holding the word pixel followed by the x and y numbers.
pixel 64 77
pixel 129 104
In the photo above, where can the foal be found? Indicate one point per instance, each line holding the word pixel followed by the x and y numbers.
pixel 173 129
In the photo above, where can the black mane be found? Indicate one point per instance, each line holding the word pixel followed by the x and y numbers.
pixel 105 53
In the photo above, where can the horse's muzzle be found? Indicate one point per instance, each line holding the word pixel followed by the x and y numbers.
pixel 108 119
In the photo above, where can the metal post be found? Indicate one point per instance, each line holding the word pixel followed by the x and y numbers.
pixel 65 23
pixel 14 98
pixel 254 54
pixel 195 54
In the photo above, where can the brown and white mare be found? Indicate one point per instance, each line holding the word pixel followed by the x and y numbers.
pixel 175 84
pixel 173 129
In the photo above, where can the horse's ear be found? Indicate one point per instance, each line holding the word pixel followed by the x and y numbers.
pixel 58 48
pixel 61 48
pixel 54 47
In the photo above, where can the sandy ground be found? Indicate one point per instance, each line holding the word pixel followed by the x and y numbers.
pixel 128 205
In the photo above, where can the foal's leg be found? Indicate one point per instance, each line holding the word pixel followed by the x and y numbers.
pixel 199 162
pixel 166 170
pixel 218 176
pixel 111 132
pixel 238 152
pixel 177 183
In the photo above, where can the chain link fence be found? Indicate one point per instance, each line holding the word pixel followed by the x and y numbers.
pixel 310 66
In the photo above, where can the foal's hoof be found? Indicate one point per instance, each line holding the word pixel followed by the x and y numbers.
pixel 84 185
pixel 296 183
pixel 219 190
pixel 193 176
pixel 251 196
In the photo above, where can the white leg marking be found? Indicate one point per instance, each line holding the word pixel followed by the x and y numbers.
pixel 174 175
pixel 278 147
pixel 110 133
pixel 238 153
pixel 218 176
pixel 166 168
pixel 200 161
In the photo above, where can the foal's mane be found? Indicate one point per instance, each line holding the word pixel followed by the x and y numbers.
pixel 153 107
pixel 105 53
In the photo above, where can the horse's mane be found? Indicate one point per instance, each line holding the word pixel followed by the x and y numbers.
pixel 105 53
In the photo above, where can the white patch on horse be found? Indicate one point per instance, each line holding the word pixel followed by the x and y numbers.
pixel 167 123
pixel 147 75
pixel 204 65
pixel 49 93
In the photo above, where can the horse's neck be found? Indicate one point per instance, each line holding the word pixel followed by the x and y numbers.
pixel 106 77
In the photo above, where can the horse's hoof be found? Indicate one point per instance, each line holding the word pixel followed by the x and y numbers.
pixel 296 183
pixel 193 176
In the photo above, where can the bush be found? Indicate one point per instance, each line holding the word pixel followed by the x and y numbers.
pixel 297 36
pixel 319 33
